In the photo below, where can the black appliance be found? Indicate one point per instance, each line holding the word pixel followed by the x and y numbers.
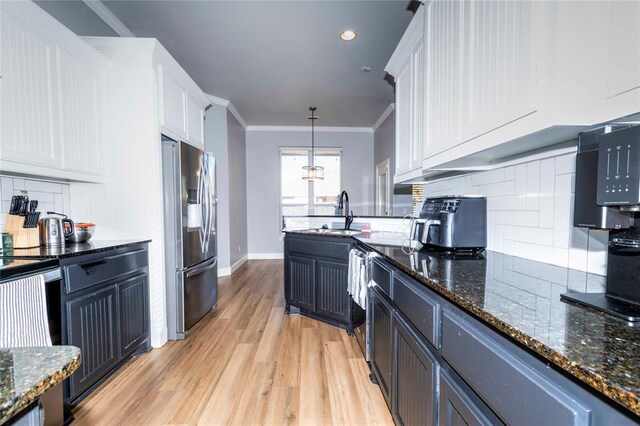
pixel 452 223
pixel 617 196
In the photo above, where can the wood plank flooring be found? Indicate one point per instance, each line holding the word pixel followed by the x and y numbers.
pixel 245 363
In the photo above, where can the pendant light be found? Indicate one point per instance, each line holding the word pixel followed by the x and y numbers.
pixel 312 172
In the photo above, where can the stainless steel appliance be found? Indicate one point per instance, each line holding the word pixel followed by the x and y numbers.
pixel 189 179
pixel 613 198
pixel 362 331
pixel 52 229
pixel 452 223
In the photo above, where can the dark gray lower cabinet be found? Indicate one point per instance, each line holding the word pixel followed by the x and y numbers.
pixel 456 407
pixel 382 343
pixel 106 313
pixel 132 313
pixel 415 377
pixel 316 273
pixel 331 290
pixel 92 327
pixel 301 282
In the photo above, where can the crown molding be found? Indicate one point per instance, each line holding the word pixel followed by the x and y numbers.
pixel 109 18
pixel 385 114
pixel 308 128
pixel 230 107
pixel 411 37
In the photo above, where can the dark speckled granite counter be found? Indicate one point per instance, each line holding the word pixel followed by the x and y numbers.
pixel 521 298
pixel 70 250
pixel 26 373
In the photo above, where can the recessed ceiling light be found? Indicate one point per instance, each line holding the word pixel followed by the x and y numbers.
pixel 347 35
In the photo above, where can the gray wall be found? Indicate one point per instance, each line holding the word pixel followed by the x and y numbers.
pixel 237 166
pixel 215 142
pixel 263 179
pixel 384 142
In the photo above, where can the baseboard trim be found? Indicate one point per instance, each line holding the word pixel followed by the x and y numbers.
pixel 265 256
pixel 223 272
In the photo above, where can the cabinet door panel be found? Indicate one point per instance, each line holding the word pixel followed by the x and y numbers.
pixel 417 105
pixel 498 65
pixel 382 344
pixel 332 299
pixel 80 114
pixel 133 313
pixel 302 282
pixel 92 326
pixel 444 36
pixel 195 122
pixel 415 378
pixel 403 119
pixel 29 101
pixel 173 105
pixel 623 63
pixel 457 408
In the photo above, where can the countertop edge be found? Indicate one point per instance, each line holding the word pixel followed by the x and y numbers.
pixel 624 398
pixel 39 388
pixel 115 246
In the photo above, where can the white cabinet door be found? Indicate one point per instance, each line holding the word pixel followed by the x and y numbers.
pixel 444 41
pixel 81 114
pixel 417 105
pixel 29 95
pixel 173 111
pixel 403 119
pixel 623 54
pixel 195 122
pixel 498 65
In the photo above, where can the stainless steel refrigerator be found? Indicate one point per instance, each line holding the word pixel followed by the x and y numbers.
pixel 189 179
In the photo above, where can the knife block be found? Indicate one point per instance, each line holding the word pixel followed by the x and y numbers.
pixel 22 237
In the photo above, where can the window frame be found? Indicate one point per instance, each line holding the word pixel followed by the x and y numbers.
pixel 310 184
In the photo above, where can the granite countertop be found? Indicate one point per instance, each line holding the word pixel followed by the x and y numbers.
pixel 70 249
pixel 521 298
pixel 26 373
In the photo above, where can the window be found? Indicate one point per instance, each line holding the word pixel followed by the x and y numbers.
pixel 302 197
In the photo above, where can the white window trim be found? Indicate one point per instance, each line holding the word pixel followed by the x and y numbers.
pixel 293 149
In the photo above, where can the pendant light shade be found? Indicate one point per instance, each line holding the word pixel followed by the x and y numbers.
pixel 313 172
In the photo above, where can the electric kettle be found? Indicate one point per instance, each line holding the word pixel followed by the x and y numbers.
pixel 52 230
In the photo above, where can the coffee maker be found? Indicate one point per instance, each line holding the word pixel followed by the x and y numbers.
pixel 607 196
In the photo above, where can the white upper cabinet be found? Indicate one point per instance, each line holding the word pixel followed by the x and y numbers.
pixel 182 103
pixel 29 95
pixel 81 113
pixel 51 98
pixel 509 77
pixel 407 67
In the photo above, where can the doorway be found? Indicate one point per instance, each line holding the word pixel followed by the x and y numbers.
pixel 383 189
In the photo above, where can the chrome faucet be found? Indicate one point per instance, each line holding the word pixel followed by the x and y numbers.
pixel 344 205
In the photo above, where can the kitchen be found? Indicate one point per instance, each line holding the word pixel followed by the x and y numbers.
pixel 442 172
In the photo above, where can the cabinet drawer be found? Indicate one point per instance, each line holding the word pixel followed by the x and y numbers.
pixel 420 308
pixel 314 247
pixel 95 269
pixel 382 276
pixel 508 385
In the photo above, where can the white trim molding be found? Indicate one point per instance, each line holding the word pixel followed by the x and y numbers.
pixel 223 272
pixel 109 18
pixel 230 107
pixel 306 129
pixel 265 256
pixel 387 112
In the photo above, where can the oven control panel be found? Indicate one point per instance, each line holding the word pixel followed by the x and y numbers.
pixel 619 168
pixel 440 205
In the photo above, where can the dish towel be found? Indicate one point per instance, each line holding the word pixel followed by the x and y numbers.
pixel 357 282
pixel 23 313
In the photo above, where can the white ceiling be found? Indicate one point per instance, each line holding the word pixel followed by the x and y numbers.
pixel 273 59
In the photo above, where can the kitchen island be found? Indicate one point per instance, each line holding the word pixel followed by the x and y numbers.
pixel 590 357
pixel 27 373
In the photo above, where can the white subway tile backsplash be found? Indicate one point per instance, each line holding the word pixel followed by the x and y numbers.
pixel 530 212
pixel 51 196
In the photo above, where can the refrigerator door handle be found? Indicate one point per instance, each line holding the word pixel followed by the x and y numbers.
pixel 202 201
pixel 203 267
pixel 206 204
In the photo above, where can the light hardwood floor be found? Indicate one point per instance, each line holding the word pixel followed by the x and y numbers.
pixel 245 363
